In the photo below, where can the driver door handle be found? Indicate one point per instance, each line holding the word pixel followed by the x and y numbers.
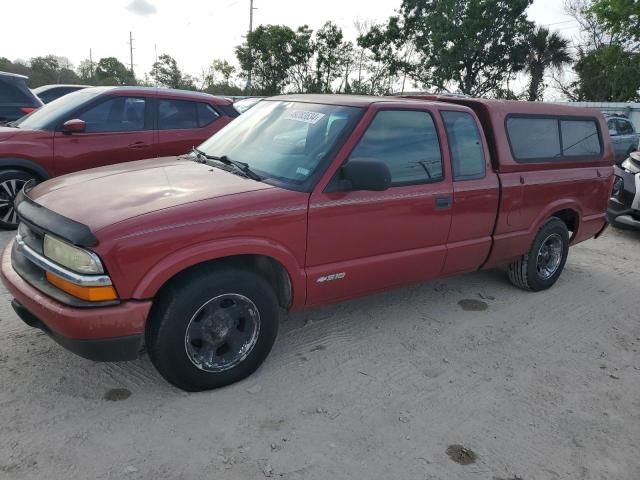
pixel 138 145
pixel 443 203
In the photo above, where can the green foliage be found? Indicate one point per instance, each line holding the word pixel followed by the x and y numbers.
pixel 333 55
pixel 619 17
pixel 42 70
pixel 217 79
pixel 547 50
pixel 165 73
pixel 607 74
pixel 268 55
pixel 470 45
pixel 111 71
pixel 301 74
pixel 387 53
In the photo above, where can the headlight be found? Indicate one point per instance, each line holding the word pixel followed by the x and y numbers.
pixel 618 186
pixel 70 256
pixel 630 166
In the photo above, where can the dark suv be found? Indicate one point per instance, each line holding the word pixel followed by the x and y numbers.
pixel 16 100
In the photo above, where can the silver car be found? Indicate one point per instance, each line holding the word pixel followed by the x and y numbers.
pixel 624 137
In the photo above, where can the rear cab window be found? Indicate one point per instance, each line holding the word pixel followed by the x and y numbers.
pixel 536 138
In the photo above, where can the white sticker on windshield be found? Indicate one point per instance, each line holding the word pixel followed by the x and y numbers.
pixel 304 116
pixel 302 171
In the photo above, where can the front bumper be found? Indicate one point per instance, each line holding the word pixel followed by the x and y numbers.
pixel 108 333
pixel 624 206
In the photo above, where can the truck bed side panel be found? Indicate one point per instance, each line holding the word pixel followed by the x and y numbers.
pixel 529 198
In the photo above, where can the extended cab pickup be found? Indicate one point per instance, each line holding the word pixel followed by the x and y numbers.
pixel 300 202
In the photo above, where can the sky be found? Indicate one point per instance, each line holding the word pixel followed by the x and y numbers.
pixel 194 32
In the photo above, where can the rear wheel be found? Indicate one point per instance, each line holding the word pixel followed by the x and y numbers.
pixel 212 327
pixel 541 267
pixel 11 182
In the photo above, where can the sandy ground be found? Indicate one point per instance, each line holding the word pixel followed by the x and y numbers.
pixel 537 386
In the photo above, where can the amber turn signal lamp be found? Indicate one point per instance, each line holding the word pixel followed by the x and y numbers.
pixel 90 294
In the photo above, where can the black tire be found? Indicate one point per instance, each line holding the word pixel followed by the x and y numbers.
pixel 525 273
pixel 173 315
pixel 11 182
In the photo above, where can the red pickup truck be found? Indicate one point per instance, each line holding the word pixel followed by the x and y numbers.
pixel 301 201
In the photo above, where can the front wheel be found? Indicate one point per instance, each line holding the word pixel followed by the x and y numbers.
pixel 541 267
pixel 11 182
pixel 212 327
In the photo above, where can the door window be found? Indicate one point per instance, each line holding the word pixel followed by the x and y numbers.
pixel 613 128
pixel 117 114
pixel 467 154
pixel 624 127
pixel 407 141
pixel 206 114
pixel 177 114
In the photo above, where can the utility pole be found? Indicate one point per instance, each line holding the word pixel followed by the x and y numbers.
pixel 155 64
pixel 131 53
pixel 251 9
pixel 91 63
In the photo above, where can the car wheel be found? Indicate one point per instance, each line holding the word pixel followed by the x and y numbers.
pixel 11 182
pixel 541 267
pixel 212 327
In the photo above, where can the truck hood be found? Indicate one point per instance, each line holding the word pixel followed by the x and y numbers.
pixel 107 195
pixel 9 132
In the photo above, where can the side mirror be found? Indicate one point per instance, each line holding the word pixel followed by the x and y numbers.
pixel 74 126
pixel 365 174
pixel 612 132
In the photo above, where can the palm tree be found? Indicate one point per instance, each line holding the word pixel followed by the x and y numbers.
pixel 546 50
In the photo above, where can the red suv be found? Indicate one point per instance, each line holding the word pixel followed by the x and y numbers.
pixel 99 126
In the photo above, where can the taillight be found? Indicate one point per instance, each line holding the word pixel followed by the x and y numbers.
pixel 26 110
pixel 618 186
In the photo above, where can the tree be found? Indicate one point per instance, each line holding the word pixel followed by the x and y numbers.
pixel 607 74
pixel 44 70
pixel 304 49
pixel 217 79
pixel 268 55
pixel 470 46
pixel 110 71
pixel 332 56
pixel 166 73
pixel 546 51
pixel 618 17
pixel 85 70
pixel 388 53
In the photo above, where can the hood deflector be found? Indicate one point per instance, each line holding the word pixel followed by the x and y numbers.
pixel 40 218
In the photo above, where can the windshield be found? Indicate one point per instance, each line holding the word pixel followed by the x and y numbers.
pixel 283 141
pixel 42 117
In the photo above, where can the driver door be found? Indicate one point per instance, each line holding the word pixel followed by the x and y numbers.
pixel 360 242
pixel 118 129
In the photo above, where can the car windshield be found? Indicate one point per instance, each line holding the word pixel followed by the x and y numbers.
pixel 40 118
pixel 283 141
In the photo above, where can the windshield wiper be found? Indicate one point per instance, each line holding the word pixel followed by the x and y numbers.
pixel 242 167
